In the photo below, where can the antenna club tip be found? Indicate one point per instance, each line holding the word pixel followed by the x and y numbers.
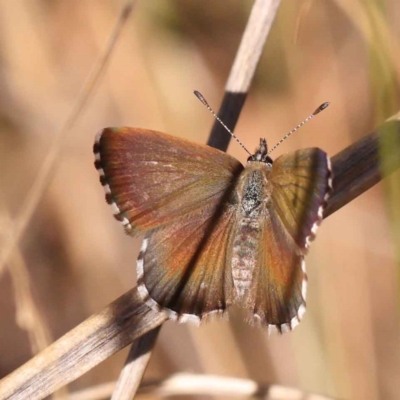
pixel 321 108
pixel 200 96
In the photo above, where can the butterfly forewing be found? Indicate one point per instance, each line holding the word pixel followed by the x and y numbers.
pixel 152 178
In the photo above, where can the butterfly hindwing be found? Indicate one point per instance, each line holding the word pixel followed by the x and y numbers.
pixel 184 267
pixel 151 178
pixel 301 182
pixel 279 282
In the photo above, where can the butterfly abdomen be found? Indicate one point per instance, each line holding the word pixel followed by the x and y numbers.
pixel 252 195
pixel 244 254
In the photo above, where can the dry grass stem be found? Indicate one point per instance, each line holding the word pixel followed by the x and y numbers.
pixel 210 385
pixel 360 166
pixel 304 10
pixel 242 72
pixel 373 27
pixel 185 384
pixel 251 46
pixel 28 315
pixel 135 366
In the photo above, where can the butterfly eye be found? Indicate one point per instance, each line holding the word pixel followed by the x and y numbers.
pixel 268 160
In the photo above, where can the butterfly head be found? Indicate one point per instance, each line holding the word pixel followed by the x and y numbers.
pixel 261 154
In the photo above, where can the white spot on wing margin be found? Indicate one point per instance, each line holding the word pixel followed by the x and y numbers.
pixel 139 264
pixel 304 281
pixel 320 213
pixel 289 326
pixel 330 178
pixel 302 309
pixel 106 187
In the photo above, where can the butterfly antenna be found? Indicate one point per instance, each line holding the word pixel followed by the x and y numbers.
pixel 317 111
pixel 204 101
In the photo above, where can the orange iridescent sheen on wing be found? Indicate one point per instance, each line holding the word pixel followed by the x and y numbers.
pixel 155 178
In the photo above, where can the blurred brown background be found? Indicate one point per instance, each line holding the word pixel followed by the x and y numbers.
pixel 76 259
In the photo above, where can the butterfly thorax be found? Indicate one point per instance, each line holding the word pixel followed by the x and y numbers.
pixel 253 194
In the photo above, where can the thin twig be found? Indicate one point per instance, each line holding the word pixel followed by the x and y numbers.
pixel 251 46
pixel 362 165
pixel 133 371
pixel 304 10
pixel 48 167
pixel 27 313
pixel 211 385
pixel 387 45
pixel 242 72
pixel 28 316
pixel 128 318
pixel 185 384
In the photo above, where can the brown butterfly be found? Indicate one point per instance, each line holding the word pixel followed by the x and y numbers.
pixel 216 233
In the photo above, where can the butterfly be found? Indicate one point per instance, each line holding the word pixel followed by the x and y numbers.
pixel 216 233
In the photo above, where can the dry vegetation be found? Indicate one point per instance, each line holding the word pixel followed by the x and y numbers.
pixel 74 259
